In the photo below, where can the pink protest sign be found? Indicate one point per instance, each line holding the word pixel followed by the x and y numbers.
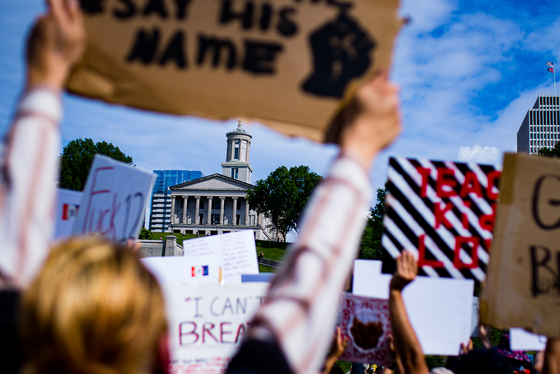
pixel 367 323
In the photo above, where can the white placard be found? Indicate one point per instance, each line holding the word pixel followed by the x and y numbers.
pixel 207 323
pixel 521 340
pixel 183 270
pixel 114 200
pixel 67 208
pixel 236 252
pixel 440 309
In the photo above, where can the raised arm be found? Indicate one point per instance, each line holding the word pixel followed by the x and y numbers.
pixel 406 342
pixel 29 166
pixel 300 310
pixel 551 362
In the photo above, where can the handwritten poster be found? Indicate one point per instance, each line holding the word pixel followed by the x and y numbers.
pixel 367 323
pixel 236 253
pixel 287 63
pixel 208 322
pixel 443 211
pixel 523 285
pixel 113 200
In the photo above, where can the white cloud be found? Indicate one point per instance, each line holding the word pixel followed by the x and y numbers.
pixel 479 154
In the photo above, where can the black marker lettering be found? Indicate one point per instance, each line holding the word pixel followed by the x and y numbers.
pixel 175 51
pixel 260 57
pixel 208 44
pixel 145 46
pixel 128 10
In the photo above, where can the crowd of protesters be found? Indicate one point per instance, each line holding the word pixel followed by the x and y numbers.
pixel 88 306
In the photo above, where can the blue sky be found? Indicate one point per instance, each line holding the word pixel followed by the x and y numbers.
pixel 468 72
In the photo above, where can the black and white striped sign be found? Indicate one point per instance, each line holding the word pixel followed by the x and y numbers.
pixel 442 210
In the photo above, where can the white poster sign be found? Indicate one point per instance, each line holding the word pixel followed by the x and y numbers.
pixel 236 252
pixel 183 270
pixel 522 340
pixel 114 200
pixel 208 322
pixel 67 208
pixel 440 309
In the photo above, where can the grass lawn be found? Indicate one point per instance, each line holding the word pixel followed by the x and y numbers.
pixel 271 250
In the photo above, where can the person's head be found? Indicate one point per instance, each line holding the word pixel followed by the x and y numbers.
pixel 480 361
pixel 93 308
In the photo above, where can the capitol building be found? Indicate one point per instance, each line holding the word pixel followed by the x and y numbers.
pixel 214 204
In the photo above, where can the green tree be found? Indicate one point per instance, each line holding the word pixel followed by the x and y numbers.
pixel 145 234
pixel 370 246
pixel 282 196
pixel 76 159
pixel 550 152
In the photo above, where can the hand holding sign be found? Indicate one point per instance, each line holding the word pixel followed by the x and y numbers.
pixel 56 43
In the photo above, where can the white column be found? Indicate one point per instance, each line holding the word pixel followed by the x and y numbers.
pixel 222 202
pixel 185 205
pixel 246 213
pixel 209 220
pixel 196 211
pixel 234 213
pixel 259 219
pixel 172 209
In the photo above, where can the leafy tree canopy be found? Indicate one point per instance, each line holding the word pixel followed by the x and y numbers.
pixel 76 159
pixel 282 196
pixel 370 246
pixel 550 152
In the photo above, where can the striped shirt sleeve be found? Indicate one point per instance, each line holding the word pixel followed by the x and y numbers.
pixel 301 306
pixel 28 173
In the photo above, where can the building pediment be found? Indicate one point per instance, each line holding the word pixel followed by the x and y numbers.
pixel 213 182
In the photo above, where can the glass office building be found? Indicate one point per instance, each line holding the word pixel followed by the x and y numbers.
pixel 160 215
pixel 540 128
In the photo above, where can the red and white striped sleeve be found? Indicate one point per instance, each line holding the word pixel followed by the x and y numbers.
pixel 28 173
pixel 301 305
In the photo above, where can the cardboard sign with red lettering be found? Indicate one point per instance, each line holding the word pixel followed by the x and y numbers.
pixel 207 323
pixel 444 212
pixel 366 321
pixel 290 64
pixel 113 200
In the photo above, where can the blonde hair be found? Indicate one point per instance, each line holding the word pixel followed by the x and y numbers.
pixel 93 309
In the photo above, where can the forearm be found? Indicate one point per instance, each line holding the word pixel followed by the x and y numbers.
pixel 301 306
pixel 551 363
pixel 407 345
pixel 28 186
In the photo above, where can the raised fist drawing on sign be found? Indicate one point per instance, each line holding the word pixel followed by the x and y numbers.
pixel 341 51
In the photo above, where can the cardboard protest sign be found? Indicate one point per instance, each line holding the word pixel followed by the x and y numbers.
pixel 366 321
pixel 67 207
pixel 235 252
pixel 183 270
pixel 444 212
pixel 287 63
pixel 440 309
pixel 208 322
pixel 113 200
pixel 523 284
